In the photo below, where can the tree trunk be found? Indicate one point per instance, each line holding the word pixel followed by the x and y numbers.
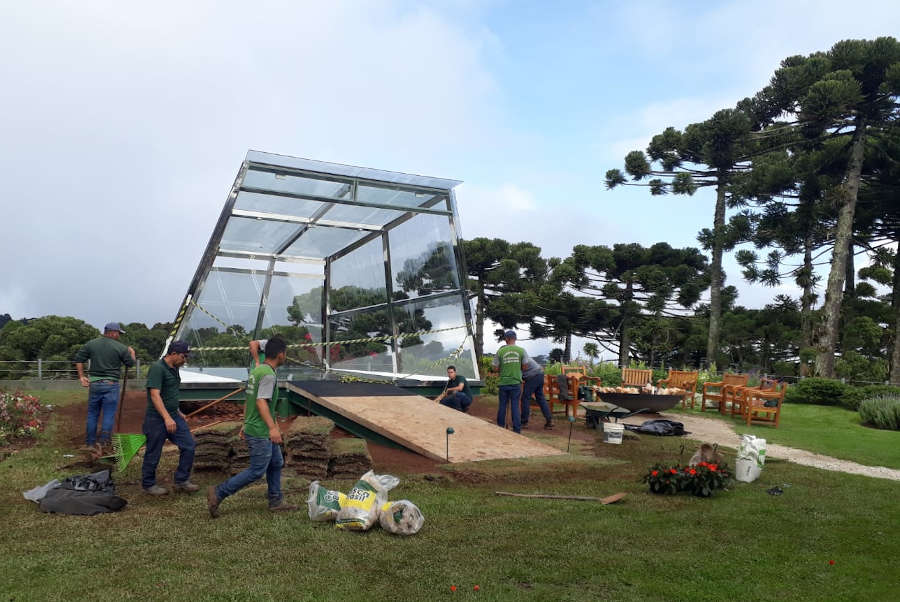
pixel 895 303
pixel 625 334
pixel 567 353
pixel 806 301
pixel 850 281
pixel 479 323
pixel 716 275
pixel 831 309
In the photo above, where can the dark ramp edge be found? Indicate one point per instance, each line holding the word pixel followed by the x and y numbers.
pixel 324 388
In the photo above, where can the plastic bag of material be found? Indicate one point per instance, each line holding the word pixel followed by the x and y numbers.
pixel 750 458
pixel 360 511
pixel 401 517
pixel 324 504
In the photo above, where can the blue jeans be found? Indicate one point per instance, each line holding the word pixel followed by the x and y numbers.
pixel 265 459
pixel 155 430
pixel 458 401
pixel 102 397
pixel 534 385
pixel 510 394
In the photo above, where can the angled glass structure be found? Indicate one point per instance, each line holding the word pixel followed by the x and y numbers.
pixel 359 270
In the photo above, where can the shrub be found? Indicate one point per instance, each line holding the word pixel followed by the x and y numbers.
pixel 19 416
pixel 881 412
pixel 491 382
pixel 855 395
pixel 819 391
pixel 609 373
pixel 700 480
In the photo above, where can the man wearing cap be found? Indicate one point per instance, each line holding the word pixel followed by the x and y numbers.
pixel 511 361
pixel 533 377
pixel 164 420
pixel 107 355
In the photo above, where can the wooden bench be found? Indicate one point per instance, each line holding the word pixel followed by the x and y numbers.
pixel 682 379
pixel 725 390
pixel 634 377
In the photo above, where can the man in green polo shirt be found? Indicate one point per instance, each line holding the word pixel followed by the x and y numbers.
pixel 261 433
pixel 456 395
pixel 164 420
pixel 107 355
pixel 511 361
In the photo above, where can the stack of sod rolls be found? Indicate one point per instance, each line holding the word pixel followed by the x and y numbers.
pixel 349 458
pixel 214 446
pixel 306 445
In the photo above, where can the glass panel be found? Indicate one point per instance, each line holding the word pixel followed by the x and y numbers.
pixel 253 201
pixel 322 241
pixel 371 356
pixel 422 259
pixel 231 302
pixel 362 215
pixel 357 279
pixel 294 311
pixel 262 236
pixel 296 185
pixel 383 195
pixel 429 354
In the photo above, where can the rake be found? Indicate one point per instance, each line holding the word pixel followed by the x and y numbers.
pixel 125 446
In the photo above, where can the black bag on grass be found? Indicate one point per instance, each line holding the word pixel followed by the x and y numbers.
pixel 84 495
pixel 660 427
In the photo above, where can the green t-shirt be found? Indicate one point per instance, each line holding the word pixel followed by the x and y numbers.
pixel 168 381
pixel 460 380
pixel 260 385
pixel 107 356
pixel 510 359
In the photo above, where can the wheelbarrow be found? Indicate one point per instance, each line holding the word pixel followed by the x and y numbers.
pixel 597 411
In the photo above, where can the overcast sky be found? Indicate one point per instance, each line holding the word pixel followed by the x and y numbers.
pixel 122 125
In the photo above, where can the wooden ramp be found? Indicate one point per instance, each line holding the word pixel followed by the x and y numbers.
pixel 420 424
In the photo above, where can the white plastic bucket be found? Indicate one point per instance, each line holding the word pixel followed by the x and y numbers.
pixel 612 432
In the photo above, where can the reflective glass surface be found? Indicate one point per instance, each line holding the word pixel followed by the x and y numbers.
pixel 255 235
pixel 254 201
pixel 294 312
pixel 371 356
pixel 231 302
pixel 357 279
pixel 296 185
pixel 384 195
pixel 429 354
pixel 422 259
pixel 362 215
pixel 323 241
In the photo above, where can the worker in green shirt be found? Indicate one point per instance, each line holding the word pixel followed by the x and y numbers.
pixel 164 420
pixel 107 355
pixel 511 360
pixel 261 433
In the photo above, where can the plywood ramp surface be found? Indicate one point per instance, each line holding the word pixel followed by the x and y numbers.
pixel 420 424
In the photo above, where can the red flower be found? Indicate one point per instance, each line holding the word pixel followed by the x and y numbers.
pixel 703 464
pixel 713 467
pixel 692 471
pixel 307 336
pixel 654 473
pixel 673 471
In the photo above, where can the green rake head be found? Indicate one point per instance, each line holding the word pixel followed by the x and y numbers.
pixel 125 446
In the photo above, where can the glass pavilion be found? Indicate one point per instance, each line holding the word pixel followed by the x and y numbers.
pixel 360 270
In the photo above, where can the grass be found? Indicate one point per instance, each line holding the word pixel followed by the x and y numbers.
pixel 829 430
pixel 742 544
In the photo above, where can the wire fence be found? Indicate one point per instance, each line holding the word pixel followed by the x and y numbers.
pixel 46 370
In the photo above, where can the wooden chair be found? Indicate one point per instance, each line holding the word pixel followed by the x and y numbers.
pixel 633 377
pixel 554 393
pixel 682 379
pixel 727 388
pixel 764 406
pixel 740 395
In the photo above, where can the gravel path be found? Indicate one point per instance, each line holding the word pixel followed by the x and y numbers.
pixel 711 430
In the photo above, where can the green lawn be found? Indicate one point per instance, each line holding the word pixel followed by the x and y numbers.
pixel 741 545
pixel 828 430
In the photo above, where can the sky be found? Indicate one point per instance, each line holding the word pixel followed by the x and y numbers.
pixel 122 125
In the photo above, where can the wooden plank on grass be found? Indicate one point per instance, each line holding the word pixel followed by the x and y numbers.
pixel 420 424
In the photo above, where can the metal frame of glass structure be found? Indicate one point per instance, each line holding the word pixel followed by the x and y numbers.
pixel 359 269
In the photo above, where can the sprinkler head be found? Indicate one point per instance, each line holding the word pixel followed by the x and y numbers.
pixel 571 419
pixel 450 430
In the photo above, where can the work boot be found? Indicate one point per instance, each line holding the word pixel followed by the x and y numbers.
pixel 156 490
pixel 186 487
pixel 212 502
pixel 524 425
pixel 282 507
pixel 549 425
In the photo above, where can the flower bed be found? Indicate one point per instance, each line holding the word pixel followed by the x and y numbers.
pixel 19 416
pixel 700 480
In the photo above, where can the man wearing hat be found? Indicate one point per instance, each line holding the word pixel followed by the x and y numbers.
pixel 511 360
pixel 107 355
pixel 164 420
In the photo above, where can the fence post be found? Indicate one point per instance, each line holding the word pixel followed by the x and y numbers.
pixel 137 365
pixel 40 368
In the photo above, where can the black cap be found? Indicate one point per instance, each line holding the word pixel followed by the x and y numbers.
pixel 179 347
